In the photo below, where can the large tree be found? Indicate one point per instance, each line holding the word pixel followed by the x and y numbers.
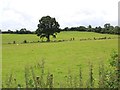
pixel 47 26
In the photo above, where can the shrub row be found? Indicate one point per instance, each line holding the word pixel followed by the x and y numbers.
pixel 71 39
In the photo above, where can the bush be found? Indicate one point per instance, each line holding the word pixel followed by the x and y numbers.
pixel 25 41
pixel 14 42
pixel 109 78
pixel 114 72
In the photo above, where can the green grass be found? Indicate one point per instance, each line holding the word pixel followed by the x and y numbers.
pixel 59 57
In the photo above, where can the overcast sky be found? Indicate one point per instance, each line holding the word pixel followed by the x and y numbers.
pixel 17 14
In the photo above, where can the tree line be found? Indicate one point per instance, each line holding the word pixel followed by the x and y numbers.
pixel 107 29
pixel 21 31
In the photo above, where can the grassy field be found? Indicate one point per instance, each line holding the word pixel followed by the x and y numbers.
pixel 60 58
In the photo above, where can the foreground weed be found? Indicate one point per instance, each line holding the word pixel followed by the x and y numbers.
pixel 34 77
pixel 90 82
pixel 41 78
pixel 49 82
pixel 80 78
pixel 102 76
pixel 70 79
pixel 26 77
pixel 9 81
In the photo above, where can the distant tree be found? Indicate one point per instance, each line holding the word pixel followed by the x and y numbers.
pixel 89 28
pixel 117 30
pixel 17 32
pixel 10 32
pixel 106 28
pixel 111 30
pixel 82 28
pixel 73 29
pixel 98 29
pixel 22 31
pixel 66 29
pixel 47 26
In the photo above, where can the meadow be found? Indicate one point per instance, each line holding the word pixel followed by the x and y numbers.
pixel 61 58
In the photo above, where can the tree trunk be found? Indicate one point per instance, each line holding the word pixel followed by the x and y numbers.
pixel 48 38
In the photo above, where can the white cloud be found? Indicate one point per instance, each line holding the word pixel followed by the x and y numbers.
pixel 16 14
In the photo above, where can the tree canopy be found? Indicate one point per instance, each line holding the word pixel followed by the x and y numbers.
pixel 47 26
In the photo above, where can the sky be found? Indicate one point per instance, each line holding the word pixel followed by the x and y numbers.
pixel 17 14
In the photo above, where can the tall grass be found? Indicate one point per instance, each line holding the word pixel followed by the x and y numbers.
pixel 90 82
pixel 102 77
pixel 108 78
pixel 80 78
